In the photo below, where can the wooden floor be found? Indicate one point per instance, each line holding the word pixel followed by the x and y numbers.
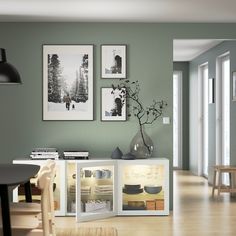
pixel 195 213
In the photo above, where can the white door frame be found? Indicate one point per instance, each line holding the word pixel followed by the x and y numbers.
pixel 180 119
pixel 219 108
pixel 200 119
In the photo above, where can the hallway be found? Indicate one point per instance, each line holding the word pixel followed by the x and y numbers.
pixel 195 213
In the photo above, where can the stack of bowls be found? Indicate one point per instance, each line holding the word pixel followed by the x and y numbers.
pixel 132 189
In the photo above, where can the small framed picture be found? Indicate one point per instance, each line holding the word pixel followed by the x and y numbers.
pixel 67 82
pixel 211 90
pixel 113 104
pixel 113 61
pixel 234 87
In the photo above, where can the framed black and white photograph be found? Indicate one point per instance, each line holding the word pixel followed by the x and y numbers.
pixel 113 61
pixel 211 90
pixel 113 104
pixel 67 82
pixel 234 87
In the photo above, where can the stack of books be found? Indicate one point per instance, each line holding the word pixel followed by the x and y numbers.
pixel 76 155
pixel 44 154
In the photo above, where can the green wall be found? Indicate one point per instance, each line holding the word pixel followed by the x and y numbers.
pixel 150 50
pixel 184 67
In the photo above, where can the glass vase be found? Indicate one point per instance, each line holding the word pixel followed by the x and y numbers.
pixel 141 145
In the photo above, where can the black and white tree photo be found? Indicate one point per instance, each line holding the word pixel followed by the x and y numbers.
pixel 68 82
pixel 113 63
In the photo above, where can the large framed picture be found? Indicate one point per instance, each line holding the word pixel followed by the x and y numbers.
pixel 113 61
pixel 113 104
pixel 67 82
pixel 234 87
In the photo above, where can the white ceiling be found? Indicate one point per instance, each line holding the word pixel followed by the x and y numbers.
pixel 188 49
pixel 119 10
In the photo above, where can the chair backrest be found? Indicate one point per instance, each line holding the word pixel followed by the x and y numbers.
pixel 43 183
pixel 52 165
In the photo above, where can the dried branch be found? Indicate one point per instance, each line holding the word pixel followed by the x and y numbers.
pixel 145 116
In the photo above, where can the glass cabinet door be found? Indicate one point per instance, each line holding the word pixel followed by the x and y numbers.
pixel 59 189
pixel 71 187
pixel 96 190
pixel 143 187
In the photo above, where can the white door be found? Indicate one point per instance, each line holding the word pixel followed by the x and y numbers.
pixel 203 82
pixel 223 112
pixel 177 119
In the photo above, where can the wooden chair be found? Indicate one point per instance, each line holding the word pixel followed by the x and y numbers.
pixel 46 207
pixel 28 224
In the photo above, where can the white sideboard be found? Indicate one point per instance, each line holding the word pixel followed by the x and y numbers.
pixel 95 189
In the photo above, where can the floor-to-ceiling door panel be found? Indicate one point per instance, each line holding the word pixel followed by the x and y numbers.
pixel 177 119
pixel 223 112
pixel 203 124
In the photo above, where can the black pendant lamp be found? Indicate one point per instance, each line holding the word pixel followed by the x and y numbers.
pixel 8 73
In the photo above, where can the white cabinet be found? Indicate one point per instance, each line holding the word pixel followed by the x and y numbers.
pixel 96 189
pixel 140 187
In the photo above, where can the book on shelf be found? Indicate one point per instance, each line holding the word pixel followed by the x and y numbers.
pixel 44 153
pixel 44 157
pixel 75 158
pixel 76 153
pixel 44 150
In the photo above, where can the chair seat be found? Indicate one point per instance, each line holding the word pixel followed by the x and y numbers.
pixel 27 222
pixel 25 232
pixel 27 207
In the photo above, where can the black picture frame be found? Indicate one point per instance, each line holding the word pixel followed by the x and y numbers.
pixel 113 61
pixel 80 49
pixel 109 107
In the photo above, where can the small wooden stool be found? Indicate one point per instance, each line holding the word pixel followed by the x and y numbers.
pixel 219 170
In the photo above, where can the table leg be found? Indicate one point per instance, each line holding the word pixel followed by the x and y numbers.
pixel 28 195
pixel 6 221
